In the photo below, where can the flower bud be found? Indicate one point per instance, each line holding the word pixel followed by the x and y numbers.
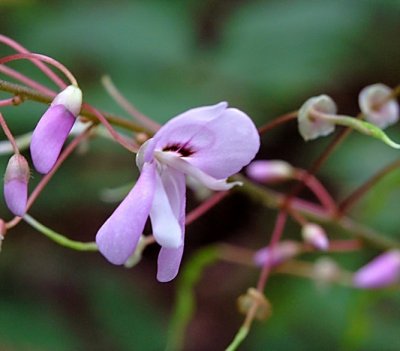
pixel 315 235
pixel 283 251
pixel 16 184
pixel 270 171
pixel 312 127
pixel 377 106
pixel 382 271
pixel 53 128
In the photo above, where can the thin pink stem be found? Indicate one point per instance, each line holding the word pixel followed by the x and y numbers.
pixel 8 133
pixel 277 121
pixel 128 106
pixel 131 146
pixel 345 245
pixel 205 206
pixel 276 236
pixel 27 81
pixel 44 58
pixel 46 70
pixel 317 188
pixel 45 180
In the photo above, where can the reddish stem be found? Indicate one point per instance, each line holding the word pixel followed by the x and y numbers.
pixel 44 58
pixel 46 70
pixel 7 131
pixel 27 81
pixel 131 146
pixel 205 206
pixel 317 188
pixel 277 121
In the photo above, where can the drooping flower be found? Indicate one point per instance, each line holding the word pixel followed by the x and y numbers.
pixel 312 127
pixel 315 235
pixel 377 106
pixel 53 128
pixel 16 184
pixel 382 271
pixel 207 143
pixel 270 171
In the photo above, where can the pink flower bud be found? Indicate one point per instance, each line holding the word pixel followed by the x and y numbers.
pixel 315 235
pixel 312 127
pixel 382 271
pixel 376 107
pixel 53 128
pixel 283 251
pixel 269 171
pixel 16 184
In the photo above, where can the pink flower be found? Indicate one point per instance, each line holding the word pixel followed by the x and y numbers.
pixel 382 271
pixel 53 128
pixel 16 184
pixel 270 171
pixel 208 143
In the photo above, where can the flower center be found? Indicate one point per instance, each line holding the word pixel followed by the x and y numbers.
pixel 183 150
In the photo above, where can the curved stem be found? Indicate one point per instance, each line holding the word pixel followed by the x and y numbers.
pixel 130 146
pixel 44 58
pixel 317 188
pixel 9 135
pixel 59 238
pixel 27 81
pixel 19 48
pixel 127 106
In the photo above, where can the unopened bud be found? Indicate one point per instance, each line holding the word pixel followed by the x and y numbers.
pixel 16 184
pixel 312 127
pixel 53 128
pixel 283 251
pixel 325 271
pixel 377 105
pixel 253 296
pixel 382 271
pixel 271 171
pixel 315 235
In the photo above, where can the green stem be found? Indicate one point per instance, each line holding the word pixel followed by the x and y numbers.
pixel 31 94
pixel 239 337
pixel 58 238
pixel 360 126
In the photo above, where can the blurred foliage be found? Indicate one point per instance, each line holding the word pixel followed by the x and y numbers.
pixel 265 57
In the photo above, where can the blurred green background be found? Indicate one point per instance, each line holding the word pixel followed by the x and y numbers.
pixel 265 57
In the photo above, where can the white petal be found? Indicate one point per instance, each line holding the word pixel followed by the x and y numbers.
pixel 166 228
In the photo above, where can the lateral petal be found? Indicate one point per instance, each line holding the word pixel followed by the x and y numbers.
pixel 119 235
pixel 168 263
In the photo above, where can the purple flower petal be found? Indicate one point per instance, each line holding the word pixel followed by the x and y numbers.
pixel 119 235
pixel 16 196
pixel 382 271
pixel 16 184
pixel 49 136
pixel 216 139
pixel 168 263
